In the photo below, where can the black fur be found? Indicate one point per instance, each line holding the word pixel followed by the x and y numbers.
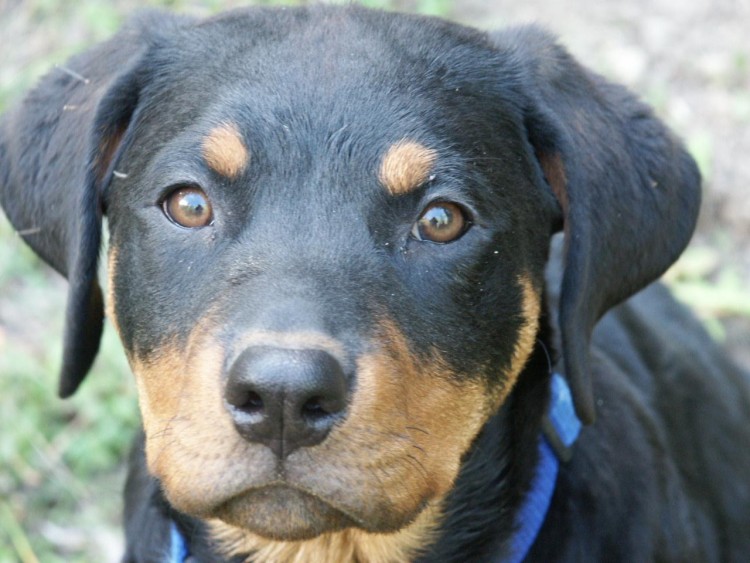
pixel 526 138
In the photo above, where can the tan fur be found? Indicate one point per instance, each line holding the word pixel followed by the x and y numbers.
pixel 530 310
pixel 107 149
pixel 409 423
pixel 424 397
pixel 225 152
pixel 554 172
pixel 346 546
pixel 406 166
pixel 190 437
pixel 110 304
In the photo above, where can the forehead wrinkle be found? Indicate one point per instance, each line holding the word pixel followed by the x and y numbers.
pixel 224 150
pixel 406 166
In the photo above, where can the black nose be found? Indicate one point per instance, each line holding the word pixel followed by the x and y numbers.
pixel 285 399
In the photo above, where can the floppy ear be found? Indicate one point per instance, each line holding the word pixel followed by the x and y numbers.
pixel 57 155
pixel 628 190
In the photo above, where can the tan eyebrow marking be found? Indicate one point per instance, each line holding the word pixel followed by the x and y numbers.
pixel 406 166
pixel 224 150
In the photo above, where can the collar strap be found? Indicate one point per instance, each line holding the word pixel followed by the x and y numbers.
pixel 178 550
pixel 560 428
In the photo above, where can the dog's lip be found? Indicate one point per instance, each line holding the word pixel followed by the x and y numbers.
pixel 286 512
pixel 285 485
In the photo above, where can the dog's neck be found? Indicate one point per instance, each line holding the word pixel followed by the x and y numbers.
pixel 482 512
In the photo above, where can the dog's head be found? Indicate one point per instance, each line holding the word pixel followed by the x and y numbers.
pixel 328 234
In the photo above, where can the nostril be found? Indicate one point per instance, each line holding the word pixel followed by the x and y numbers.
pixel 314 409
pixel 253 403
pixel 244 400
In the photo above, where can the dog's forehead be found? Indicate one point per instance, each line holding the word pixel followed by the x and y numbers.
pixel 354 66
pixel 333 34
pixel 346 104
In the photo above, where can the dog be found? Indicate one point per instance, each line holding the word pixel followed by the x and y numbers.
pixel 335 265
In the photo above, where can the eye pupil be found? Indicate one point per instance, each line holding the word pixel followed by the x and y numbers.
pixel 438 218
pixel 188 207
pixel 441 222
pixel 191 204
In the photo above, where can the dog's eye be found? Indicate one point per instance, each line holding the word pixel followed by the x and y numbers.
pixel 441 222
pixel 188 207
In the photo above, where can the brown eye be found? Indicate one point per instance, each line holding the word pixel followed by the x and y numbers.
pixel 441 222
pixel 188 207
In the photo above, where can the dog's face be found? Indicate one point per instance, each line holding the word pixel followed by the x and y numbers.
pixel 319 280
pixel 328 230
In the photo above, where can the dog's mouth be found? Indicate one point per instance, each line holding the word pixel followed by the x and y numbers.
pixel 304 498
pixel 398 450
pixel 286 513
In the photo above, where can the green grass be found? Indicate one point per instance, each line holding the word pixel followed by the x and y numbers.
pixel 61 471
pixel 429 7
pixel 55 454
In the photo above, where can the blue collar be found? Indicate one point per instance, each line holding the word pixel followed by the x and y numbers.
pixel 560 429
pixel 178 549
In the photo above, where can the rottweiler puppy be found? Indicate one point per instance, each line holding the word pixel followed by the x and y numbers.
pixel 330 268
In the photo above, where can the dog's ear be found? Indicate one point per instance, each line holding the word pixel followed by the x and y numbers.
pixel 58 152
pixel 628 191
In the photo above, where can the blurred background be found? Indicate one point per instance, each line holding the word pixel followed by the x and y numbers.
pixel 61 462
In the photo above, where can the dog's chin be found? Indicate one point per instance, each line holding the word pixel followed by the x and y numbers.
pixel 284 513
